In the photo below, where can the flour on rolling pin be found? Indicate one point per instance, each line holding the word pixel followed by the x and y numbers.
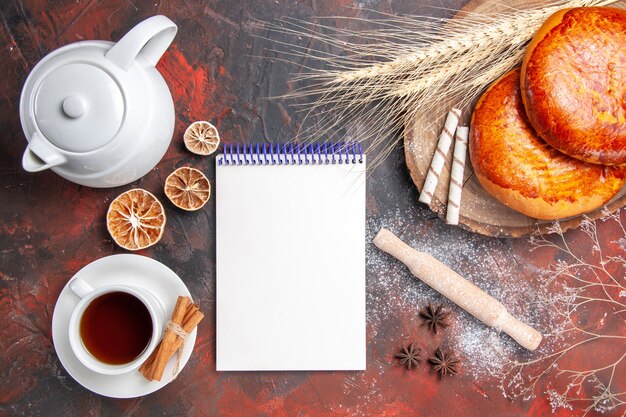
pixel 459 290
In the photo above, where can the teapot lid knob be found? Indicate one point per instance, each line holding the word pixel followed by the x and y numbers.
pixel 78 107
pixel 74 106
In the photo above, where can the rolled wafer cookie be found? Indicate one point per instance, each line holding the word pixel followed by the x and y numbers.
pixel 439 158
pixel 456 175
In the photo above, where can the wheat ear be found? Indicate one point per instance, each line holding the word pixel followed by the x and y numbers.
pixel 514 30
pixel 405 67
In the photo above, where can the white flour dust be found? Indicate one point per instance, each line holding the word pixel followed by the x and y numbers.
pixel 487 262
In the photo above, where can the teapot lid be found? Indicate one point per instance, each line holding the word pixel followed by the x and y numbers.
pixel 79 107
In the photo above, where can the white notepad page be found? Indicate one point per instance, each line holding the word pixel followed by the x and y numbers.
pixel 290 267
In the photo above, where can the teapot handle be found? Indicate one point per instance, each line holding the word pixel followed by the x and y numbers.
pixel 149 40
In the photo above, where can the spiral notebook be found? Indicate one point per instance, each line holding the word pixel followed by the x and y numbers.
pixel 290 257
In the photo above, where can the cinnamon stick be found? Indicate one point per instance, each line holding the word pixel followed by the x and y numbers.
pixel 187 316
pixel 169 352
pixel 193 318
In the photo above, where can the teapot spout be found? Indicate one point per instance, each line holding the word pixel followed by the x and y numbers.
pixel 39 156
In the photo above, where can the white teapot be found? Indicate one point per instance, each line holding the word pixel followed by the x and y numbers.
pixel 99 113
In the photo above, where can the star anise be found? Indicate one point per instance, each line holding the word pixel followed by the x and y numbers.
pixel 409 356
pixel 444 363
pixel 434 317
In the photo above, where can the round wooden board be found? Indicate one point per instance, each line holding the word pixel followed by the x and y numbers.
pixel 480 212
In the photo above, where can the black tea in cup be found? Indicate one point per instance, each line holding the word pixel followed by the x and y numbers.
pixel 116 328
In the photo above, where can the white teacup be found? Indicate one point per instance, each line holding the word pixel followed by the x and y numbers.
pixel 87 294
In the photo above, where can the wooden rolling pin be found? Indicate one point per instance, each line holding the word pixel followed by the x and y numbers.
pixel 459 290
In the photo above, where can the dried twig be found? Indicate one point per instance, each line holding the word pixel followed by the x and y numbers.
pixel 570 287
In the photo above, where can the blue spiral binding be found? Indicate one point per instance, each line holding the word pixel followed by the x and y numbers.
pixel 291 154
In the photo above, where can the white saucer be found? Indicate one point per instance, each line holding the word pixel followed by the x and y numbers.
pixel 119 269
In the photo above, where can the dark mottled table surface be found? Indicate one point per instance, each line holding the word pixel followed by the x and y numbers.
pixel 218 70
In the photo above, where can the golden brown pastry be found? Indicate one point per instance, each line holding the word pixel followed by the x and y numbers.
pixel 519 169
pixel 574 83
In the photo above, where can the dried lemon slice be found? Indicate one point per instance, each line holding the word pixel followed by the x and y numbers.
pixel 188 188
pixel 136 219
pixel 201 138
